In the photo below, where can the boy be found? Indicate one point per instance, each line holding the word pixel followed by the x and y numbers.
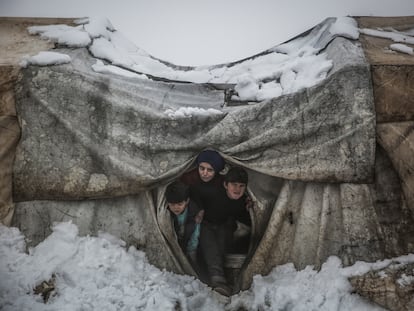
pixel 219 222
pixel 187 218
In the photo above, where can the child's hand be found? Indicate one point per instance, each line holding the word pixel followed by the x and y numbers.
pixel 199 217
pixel 249 202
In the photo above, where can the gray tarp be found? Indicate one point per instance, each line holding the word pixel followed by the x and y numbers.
pixel 97 136
pixel 310 156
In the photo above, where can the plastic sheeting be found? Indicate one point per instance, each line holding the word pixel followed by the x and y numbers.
pixel 310 157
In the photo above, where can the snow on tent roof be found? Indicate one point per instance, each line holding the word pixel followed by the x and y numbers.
pixel 281 70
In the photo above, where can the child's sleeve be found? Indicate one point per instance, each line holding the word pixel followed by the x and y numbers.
pixel 193 241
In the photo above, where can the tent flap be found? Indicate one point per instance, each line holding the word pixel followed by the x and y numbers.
pixel 85 135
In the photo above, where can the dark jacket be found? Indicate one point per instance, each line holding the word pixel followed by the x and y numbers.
pixel 222 209
pixel 202 192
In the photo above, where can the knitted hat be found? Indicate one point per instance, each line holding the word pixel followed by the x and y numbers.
pixel 237 174
pixel 177 192
pixel 213 158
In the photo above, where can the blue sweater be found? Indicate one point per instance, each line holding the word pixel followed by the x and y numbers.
pixel 187 230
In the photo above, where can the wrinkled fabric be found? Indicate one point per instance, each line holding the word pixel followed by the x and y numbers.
pixel 88 136
pixel 9 137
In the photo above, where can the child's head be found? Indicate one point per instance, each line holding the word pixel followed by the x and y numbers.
pixel 235 182
pixel 209 163
pixel 177 196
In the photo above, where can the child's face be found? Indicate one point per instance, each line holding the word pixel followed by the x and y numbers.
pixel 205 171
pixel 178 208
pixel 235 190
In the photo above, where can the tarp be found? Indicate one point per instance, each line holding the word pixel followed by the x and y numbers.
pixel 9 137
pixel 100 138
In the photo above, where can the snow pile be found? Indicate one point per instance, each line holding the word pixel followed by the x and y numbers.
pixel 346 27
pixel 92 273
pixel 284 69
pixel 98 273
pixel 62 34
pixel 45 58
pixel 287 289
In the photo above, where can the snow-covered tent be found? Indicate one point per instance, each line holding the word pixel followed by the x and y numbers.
pixel 330 164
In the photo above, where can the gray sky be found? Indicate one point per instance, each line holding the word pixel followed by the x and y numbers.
pixel 195 32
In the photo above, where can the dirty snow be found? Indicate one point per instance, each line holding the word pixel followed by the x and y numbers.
pixel 99 273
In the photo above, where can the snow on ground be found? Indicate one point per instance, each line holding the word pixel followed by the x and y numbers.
pixel 99 273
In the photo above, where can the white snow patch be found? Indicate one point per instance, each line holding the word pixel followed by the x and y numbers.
pixel 62 34
pixel 345 26
pixel 45 58
pixel 399 47
pixel 100 67
pixel 405 280
pixel 395 36
pixel 187 112
pixel 99 273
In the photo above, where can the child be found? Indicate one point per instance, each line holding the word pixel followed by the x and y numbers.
pixel 220 222
pixel 205 181
pixel 187 218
